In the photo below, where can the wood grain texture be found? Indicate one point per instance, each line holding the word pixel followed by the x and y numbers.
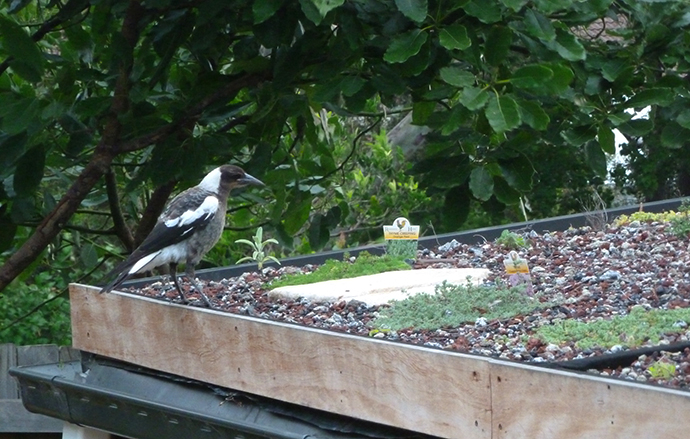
pixel 430 391
pixel 536 403
pixel 440 393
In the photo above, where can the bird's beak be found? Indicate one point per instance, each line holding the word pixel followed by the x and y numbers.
pixel 249 180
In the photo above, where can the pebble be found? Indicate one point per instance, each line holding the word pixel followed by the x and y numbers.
pixel 448 246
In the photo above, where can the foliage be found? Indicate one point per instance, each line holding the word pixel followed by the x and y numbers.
pixel 43 313
pixel 662 370
pixel 645 217
pixel 632 330
pixel 405 248
pixel 453 305
pixel 364 265
pixel 107 107
pixel 680 225
pixel 679 221
pixel 257 245
pixel 511 240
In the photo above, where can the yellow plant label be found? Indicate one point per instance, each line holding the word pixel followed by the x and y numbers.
pixel 401 229
pixel 514 264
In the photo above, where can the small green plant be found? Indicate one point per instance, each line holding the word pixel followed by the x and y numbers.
pixel 259 255
pixel 680 224
pixel 404 248
pixel 333 269
pixel 453 305
pixel 631 330
pixel 511 240
pixel 662 370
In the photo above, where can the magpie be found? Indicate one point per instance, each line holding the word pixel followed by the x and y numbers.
pixel 188 228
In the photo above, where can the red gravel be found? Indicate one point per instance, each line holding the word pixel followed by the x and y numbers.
pixel 590 274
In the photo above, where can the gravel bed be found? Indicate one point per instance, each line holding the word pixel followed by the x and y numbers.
pixel 590 275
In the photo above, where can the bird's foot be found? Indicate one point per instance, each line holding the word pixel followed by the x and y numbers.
pixel 200 290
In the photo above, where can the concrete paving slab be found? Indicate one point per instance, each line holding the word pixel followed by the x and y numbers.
pixel 381 288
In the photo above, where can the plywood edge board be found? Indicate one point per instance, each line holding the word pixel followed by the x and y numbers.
pixel 534 402
pixel 436 392
pixel 402 385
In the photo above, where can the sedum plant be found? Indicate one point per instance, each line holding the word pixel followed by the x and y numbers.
pixel 258 244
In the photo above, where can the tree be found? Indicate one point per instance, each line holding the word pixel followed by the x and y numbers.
pixel 97 99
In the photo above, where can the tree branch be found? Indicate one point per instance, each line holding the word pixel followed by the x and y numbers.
pixel 228 90
pixel 98 165
pixel 119 223
pixel 153 209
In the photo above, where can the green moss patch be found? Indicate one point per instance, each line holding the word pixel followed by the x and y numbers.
pixel 333 269
pixel 454 305
pixel 632 330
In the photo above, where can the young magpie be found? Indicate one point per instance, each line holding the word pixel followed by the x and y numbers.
pixel 188 228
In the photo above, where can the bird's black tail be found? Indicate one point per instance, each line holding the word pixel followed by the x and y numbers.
pixel 122 271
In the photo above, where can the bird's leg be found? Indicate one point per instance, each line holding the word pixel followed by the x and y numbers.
pixel 173 273
pixel 192 279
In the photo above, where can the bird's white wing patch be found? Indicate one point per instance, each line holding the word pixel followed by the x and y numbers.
pixel 141 263
pixel 206 209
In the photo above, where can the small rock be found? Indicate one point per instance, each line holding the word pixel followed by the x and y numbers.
pixel 481 322
pixel 448 246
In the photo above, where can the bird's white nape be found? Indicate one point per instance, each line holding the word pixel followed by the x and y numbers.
pixel 211 182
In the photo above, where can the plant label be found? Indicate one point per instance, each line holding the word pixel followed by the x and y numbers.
pixel 401 238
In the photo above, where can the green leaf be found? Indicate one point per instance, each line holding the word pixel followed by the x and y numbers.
pixel 518 173
pixel 674 136
pixel 515 5
pixel 318 234
pixel 502 113
pixel 683 119
pixel 497 45
pixel 265 9
pixel 486 12
pixel 636 127
pixel 533 114
pixel 29 172
pixel 421 111
pixel 350 85
pixel 612 69
pixel 19 116
pixel 88 255
pixel 531 76
pixel 539 26
pixel 457 76
pixel 596 159
pixel 325 6
pixel 562 77
pixel 415 10
pixel 311 11
pixel 568 46
pixel 661 96
pixel 606 139
pixel 481 183
pixel 27 57
pixel 578 135
pixel 12 147
pixel 8 230
pixel 504 193
pixel 473 98
pixel 297 213
pixel 454 37
pixel 456 207
pixel 405 46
